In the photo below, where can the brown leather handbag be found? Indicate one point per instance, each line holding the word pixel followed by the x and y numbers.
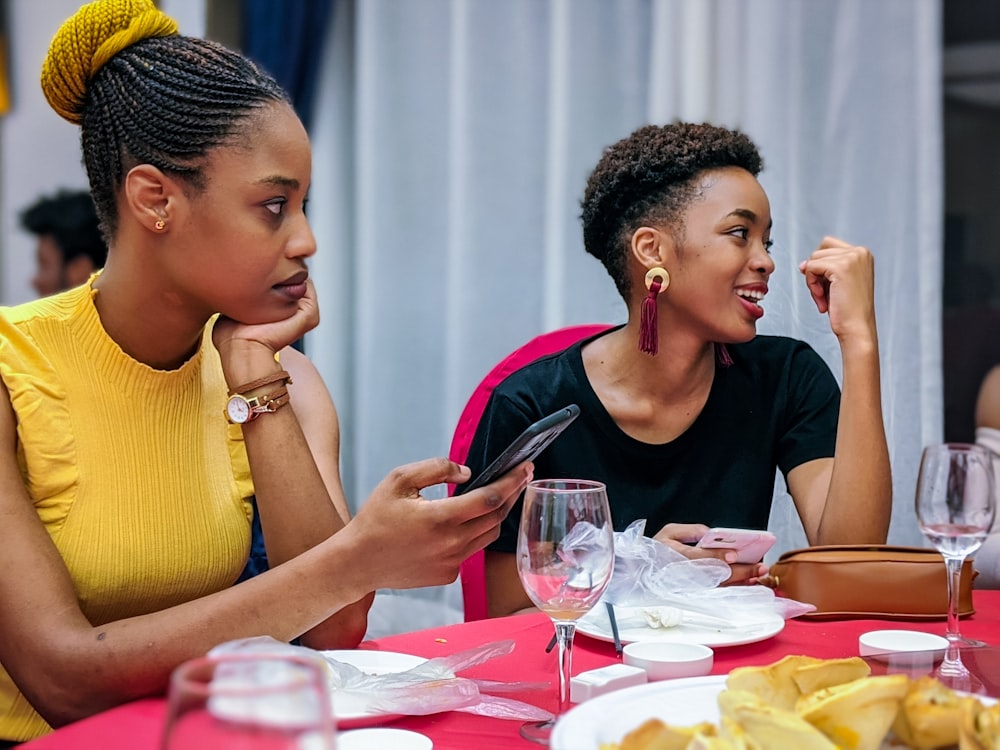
pixel 870 580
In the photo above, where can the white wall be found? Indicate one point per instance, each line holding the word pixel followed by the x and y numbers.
pixel 39 151
pixel 189 14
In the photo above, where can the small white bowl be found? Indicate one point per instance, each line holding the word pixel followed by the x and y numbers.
pixel 901 645
pixel 377 738
pixel 665 661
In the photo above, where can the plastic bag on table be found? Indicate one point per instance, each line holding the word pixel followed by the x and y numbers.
pixel 655 586
pixel 430 687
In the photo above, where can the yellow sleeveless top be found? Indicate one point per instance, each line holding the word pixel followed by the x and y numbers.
pixel 137 476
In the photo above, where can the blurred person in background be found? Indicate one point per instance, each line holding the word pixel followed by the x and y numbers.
pixel 70 246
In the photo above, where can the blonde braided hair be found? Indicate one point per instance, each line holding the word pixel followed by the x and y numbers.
pixel 87 40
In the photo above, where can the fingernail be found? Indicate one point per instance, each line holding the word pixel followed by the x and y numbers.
pixel 731 557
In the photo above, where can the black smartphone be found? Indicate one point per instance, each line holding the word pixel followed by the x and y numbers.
pixel 527 446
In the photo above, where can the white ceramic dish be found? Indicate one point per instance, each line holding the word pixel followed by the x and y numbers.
pixel 383 738
pixel 608 718
pixel 896 645
pixel 598 626
pixel 611 716
pixel 667 661
pixel 371 662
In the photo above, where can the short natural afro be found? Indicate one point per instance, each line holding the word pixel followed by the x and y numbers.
pixel 649 178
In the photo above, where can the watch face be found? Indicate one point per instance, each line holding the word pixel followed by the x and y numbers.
pixel 238 410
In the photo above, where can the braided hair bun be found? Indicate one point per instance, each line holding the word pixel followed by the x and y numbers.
pixel 87 40
pixel 144 94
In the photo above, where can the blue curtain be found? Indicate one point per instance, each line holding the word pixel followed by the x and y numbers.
pixel 286 38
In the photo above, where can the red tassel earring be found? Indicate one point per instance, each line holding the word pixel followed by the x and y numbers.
pixel 657 281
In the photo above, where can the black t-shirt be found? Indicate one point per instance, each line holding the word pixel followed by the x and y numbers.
pixel 775 406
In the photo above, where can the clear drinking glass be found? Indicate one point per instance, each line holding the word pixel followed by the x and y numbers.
pixel 565 557
pixel 955 508
pixel 249 702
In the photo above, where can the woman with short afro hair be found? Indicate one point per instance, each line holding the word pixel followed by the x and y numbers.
pixel 686 413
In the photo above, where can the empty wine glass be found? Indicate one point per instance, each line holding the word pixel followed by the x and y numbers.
pixel 565 557
pixel 249 702
pixel 955 508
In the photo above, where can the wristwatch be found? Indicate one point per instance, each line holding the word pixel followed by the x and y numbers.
pixel 240 409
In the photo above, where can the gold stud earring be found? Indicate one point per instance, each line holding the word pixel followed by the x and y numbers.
pixel 160 225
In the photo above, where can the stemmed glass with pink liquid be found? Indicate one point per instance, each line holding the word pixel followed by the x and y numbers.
pixel 565 557
pixel 955 509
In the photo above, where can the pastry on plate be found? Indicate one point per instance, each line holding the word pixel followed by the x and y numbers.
pixel 772 683
pixel 654 734
pixel 929 715
pixel 856 715
pixel 769 726
pixel 979 726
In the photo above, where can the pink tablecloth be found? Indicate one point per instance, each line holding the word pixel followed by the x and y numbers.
pixel 136 726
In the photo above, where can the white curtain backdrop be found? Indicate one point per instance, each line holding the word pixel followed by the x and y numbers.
pixel 453 139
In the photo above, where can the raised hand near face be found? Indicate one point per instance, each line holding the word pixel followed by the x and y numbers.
pixel 841 280
pixel 231 336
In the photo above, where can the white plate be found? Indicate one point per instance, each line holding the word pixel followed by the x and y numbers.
pixel 383 738
pixel 370 662
pixel 609 717
pixel 598 626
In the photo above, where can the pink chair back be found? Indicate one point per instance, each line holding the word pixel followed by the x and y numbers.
pixel 473 573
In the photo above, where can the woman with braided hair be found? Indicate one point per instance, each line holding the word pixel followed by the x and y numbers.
pixel 141 412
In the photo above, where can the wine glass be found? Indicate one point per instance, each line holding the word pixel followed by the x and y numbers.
pixel 955 508
pixel 565 557
pixel 249 701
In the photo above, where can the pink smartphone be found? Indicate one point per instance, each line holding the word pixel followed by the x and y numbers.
pixel 749 544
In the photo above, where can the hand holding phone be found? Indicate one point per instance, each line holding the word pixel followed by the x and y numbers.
pixel 749 544
pixel 526 446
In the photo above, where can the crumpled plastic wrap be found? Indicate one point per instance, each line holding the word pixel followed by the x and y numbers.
pixel 655 586
pixel 430 687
